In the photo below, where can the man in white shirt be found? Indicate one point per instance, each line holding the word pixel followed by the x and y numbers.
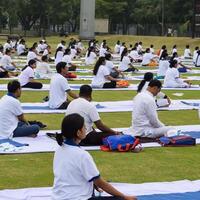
pixel 59 88
pixel 145 122
pixel 12 120
pixel 88 111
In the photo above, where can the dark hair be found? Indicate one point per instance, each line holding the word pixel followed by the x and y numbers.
pixel 60 66
pixel 108 56
pixel 124 52
pixel 164 55
pixel 163 47
pixel 44 58
pixel 147 77
pixel 98 64
pixel 187 46
pixel 13 86
pixel 196 48
pixel 67 51
pixel 155 83
pixel 174 55
pixel 58 49
pixel 174 46
pixel 89 50
pixel 69 127
pixel 147 50
pixel 7 51
pixel 30 62
pixel 173 63
pixel 85 91
pixel 151 46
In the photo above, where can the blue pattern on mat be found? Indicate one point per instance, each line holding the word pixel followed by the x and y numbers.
pixel 16 144
pixel 175 196
pixel 190 104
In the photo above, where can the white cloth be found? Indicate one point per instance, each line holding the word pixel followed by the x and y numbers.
pixel 6 61
pixel 10 108
pixel 163 67
pixel 102 52
pixel 100 78
pixel 124 64
pixel 110 66
pixel 90 60
pixel 74 172
pixel 134 54
pixel 20 49
pixel 25 76
pixel 58 88
pixel 59 57
pixel 67 59
pixel 31 55
pixel 144 115
pixel 117 48
pixel 172 79
pixel 195 56
pixel 86 109
pixel 187 53
pixel 6 46
pixel 121 50
pixel 42 70
pixel 147 57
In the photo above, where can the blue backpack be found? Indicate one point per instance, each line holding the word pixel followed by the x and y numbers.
pixel 179 140
pixel 120 143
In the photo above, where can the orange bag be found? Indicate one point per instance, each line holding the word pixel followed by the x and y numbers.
pixel 122 83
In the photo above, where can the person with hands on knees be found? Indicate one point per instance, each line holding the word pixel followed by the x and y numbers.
pixel 88 111
pixel 75 173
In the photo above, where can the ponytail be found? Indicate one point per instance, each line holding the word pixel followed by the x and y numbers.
pixel 59 138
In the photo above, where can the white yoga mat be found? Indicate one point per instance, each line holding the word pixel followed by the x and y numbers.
pixel 151 188
pixel 3 87
pixel 111 106
pixel 42 143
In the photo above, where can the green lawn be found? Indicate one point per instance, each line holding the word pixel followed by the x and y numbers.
pixel 153 164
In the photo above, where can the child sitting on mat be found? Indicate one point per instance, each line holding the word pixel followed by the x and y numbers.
pixel 75 173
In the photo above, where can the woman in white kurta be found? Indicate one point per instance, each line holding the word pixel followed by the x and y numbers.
pixel 90 57
pixel 163 65
pixel 172 77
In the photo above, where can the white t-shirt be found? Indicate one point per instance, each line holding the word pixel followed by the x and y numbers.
pixel 43 69
pixel 58 88
pixel 25 76
pixel 144 115
pixel 102 52
pixel 197 60
pixel 187 53
pixel 1 55
pixel 74 172
pixel 195 54
pixel 5 61
pixel 163 67
pixel 59 57
pixel 124 64
pixel 172 79
pixel 73 53
pixel 147 57
pixel 10 108
pixel 174 50
pixel 86 109
pixel 90 60
pixel 110 66
pixel 152 50
pixel 67 59
pixel 6 46
pixel 117 48
pixel 31 55
pixel 45 53
pixel 20 49
pixel 121 50
pixel 134 54
pixel 99 79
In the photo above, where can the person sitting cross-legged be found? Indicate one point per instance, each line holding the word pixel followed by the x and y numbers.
pixel 86 109
pixel 12 120
pixel 59 88
pixel 145 122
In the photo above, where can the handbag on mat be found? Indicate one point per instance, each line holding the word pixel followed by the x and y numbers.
pixel 121 143
pixel 179 140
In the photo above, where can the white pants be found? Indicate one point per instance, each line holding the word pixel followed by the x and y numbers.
pixel 156 132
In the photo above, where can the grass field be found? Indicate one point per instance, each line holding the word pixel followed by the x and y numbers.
pixel 153 164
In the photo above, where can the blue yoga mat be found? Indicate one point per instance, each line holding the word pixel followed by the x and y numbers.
pixel 16 144
pixel 194 134
pixel 175 196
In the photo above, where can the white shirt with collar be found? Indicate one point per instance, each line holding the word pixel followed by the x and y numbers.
pixel 86 109
pixel 74 173
pixel 10 108
pixel 144 115
pixel 57 93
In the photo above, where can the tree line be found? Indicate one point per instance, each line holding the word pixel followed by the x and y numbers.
pixel 43 14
